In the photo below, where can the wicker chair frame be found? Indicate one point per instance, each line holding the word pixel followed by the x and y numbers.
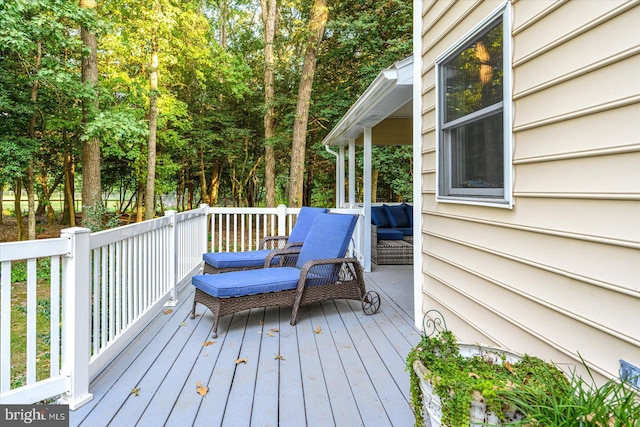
pixel 320 280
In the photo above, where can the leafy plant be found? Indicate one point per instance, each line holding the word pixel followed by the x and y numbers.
pixel 456 379
pixel 19 270
pixel 576 402
pixel 97 218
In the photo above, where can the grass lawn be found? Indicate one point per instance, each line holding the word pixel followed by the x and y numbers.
pixel 19 327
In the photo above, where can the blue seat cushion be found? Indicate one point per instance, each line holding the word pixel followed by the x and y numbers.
pixel 248 282
pixel 303 223
pixel 389 234
pixel 397 216
pixel 379 217
pixel 406 231
pixel 236 259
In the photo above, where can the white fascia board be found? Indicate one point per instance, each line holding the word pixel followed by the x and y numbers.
pixel 352 123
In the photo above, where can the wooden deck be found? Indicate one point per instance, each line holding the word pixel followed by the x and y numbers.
pixel 337 366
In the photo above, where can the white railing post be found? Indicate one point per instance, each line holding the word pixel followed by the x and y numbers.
pixel 173 256
pixel 282 220
pixel 204 228
pixel 76 314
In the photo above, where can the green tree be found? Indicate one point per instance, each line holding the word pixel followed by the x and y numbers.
pixel 40 54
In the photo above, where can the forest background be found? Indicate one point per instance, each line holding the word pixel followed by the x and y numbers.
pixel 131 99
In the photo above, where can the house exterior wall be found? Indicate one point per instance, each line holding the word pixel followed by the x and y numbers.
pixel 558 274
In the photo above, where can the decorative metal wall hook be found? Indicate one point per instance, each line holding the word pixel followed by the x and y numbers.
pixel 433 323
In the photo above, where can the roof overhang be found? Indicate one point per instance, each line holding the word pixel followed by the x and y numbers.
pixel 388 99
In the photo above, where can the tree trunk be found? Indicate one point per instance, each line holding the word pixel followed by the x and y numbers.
pixel 374 185
pixel 319 15
pixel 150 199
pixel 32 135
pixel 203 177
pixel 214 186
pixel 1 203
pixel 17 199
pixel 224 12
pixel 91 186
pixel 139 200
pixel 269 8
pixel 31 203
pixel 69 214
pixel 44 202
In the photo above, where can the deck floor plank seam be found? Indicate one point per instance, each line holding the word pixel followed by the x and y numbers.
pixel 212 408
pixel 345 411
pixel 377 366
pixel 369 405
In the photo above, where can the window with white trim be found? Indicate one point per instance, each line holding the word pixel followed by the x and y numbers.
pixel 474 127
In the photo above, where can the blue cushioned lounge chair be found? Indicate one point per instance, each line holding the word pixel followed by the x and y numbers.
pixel 221 262
pixel 321 272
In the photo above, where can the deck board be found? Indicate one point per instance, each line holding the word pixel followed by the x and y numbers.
pixel 351 373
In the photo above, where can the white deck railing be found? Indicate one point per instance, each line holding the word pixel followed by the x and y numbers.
pixel 105 287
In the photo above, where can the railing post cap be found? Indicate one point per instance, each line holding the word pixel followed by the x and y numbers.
pixel 75 230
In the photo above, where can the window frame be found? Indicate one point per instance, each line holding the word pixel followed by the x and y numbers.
pixel 496 197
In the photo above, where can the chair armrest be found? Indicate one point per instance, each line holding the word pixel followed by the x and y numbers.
pixel 273 242
pixel 286 257
pixel 348 269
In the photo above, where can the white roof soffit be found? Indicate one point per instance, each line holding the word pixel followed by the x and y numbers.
pixel 390 90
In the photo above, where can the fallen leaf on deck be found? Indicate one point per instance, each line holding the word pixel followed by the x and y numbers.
pixel 241 360
pixel 183 324
pixel 270 334
pixel 202 390
pixel 135 391
pixel 261 322
pixel 207 343
pixel 276 330
pixel 278 357
pixel 318 330
pixel 167 311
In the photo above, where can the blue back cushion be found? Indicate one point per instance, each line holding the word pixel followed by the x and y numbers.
pixel 408 209
pixel 379 217
pixel 397 216
pixel 303 223
pixel 328 237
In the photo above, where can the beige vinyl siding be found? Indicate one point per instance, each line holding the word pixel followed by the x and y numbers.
pixel 557 275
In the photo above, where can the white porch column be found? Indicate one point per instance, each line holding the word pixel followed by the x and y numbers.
pixel 366 199
pixel 76 316
pixel 340 177
pixel 418 277
pixel 352 173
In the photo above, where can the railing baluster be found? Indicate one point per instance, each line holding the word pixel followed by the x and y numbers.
pixel 54 318
pixel 96 302
pixel 32 307
pixel 112 292
pixel 129 280
pixel 118 284
pixel 5 322
pixel 104 326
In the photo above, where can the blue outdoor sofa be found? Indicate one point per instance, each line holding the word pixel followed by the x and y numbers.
pixel 321 272
pixel 392 234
